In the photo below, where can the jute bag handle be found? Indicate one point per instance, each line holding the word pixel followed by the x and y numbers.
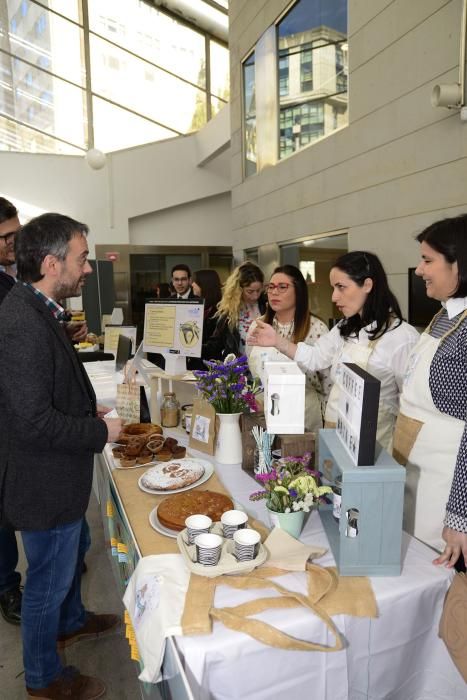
pixel 237 617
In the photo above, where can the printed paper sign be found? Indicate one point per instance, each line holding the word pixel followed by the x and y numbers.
pixel 112 334
pixel 174 327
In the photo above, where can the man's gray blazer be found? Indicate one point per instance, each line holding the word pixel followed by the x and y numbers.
pixel 49 432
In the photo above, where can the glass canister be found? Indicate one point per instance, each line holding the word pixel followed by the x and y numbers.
pixel 337 497
pixel 186 410
pixel 170 411
pixel 352 522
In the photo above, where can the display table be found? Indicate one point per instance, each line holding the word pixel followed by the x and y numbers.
pixel 397 656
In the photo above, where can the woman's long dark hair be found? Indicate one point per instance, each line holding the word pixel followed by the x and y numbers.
pixel 210 284
pixel 381 306
pixel 302 311
pixel 449 237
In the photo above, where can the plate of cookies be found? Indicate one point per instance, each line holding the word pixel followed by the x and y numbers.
pixel 140 444
pixel 175 476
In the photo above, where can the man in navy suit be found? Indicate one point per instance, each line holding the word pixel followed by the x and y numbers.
pixel 10 594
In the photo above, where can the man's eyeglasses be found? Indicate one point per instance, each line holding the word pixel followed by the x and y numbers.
pixel 8 236
pixel 281 288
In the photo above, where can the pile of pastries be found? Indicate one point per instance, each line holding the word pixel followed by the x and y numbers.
pixel 141 443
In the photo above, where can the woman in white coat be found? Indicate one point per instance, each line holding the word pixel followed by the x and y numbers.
pixel 372 334
pixel 431 437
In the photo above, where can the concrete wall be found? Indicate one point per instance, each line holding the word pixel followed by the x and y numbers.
pixel 162 180
pixel 399 164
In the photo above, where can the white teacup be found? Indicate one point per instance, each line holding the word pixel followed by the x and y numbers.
pixel 246 544
pixel 208 549
pixel 233 520
pixel 196 525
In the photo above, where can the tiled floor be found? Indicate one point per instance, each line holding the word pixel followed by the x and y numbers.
pixel 107 658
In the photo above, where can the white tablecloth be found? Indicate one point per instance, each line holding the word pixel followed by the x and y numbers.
pixel 397 656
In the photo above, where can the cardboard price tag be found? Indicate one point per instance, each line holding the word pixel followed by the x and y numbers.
pixel 128 402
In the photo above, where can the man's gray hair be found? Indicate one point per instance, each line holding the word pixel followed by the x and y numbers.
pixel 47 234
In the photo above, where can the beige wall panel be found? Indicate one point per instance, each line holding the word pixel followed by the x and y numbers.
pixel 361 12
pixel 439 188
pixel 397 19
pixel 256 17
pixel 394 240
pixel 440 143
pixel 416 58
pixel 399 285
pixel 237 169
pixel 237 7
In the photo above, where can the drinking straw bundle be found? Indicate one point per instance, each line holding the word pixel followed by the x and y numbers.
pixel 264 442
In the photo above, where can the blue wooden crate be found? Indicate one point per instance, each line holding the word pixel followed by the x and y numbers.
pixel 377 492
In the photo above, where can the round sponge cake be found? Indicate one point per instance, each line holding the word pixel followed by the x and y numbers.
pixel 174 510
pixel 175 474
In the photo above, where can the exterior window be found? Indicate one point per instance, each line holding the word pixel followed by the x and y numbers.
pixel 283 75
pixel 306 68
pixel 312 38
pixel 341 67
pixel 148 74
pixel 249 116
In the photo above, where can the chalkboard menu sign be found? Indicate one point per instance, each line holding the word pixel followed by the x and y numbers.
pixel 357 413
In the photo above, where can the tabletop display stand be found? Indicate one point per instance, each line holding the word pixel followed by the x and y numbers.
pixel 366 540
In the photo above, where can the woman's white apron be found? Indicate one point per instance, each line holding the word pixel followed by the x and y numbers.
pixel 427 442
pixel 359 355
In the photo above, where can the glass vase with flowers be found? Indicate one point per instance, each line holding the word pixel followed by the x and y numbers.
pixel 291 489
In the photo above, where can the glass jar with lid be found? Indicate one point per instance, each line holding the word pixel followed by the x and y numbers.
pixel 170 411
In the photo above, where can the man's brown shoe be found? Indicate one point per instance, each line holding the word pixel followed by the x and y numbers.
pixel 94 627
pixel 70 685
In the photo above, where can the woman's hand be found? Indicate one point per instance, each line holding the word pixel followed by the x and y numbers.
pixel 456 543
pixel 262 334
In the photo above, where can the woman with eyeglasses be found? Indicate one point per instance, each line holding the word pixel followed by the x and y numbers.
pixel 289 315
pixel 242 301
pixel 372 334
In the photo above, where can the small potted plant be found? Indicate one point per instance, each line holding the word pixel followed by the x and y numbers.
pixel 225 385
pixel 291 489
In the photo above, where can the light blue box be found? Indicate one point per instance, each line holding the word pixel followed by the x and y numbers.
pixel 377 492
